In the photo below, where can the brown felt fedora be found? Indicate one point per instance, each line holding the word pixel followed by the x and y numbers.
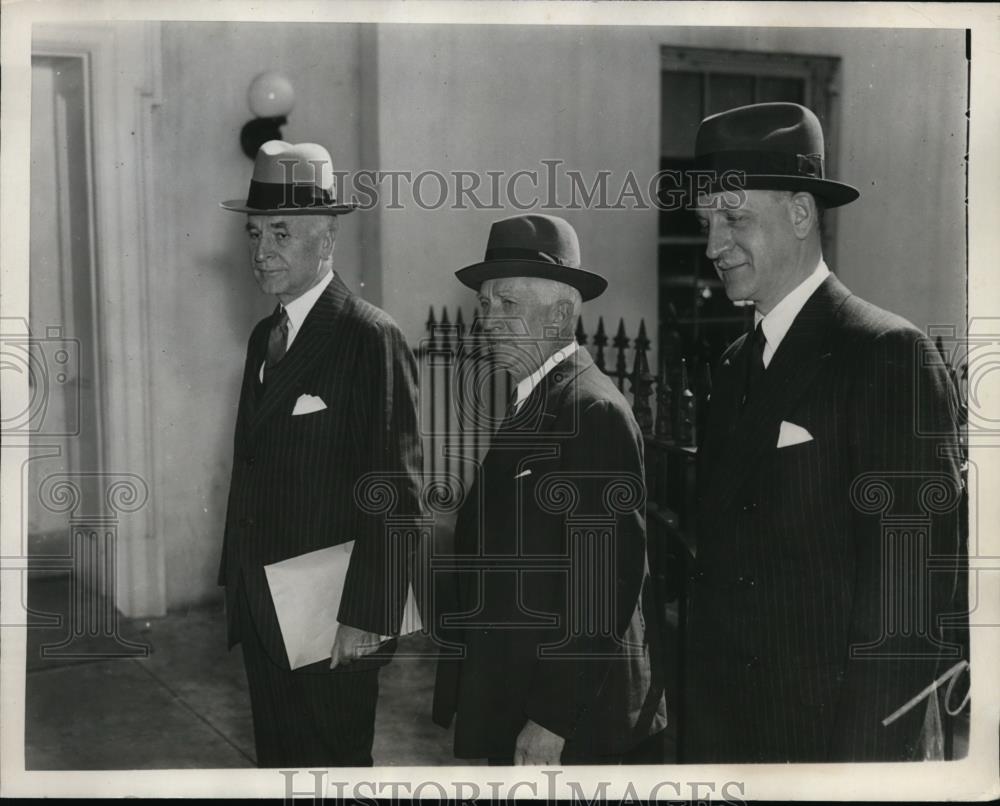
pixel 291 179
pixel 775 146
pixel 543 246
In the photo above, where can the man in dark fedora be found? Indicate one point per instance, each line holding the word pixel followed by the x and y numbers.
pixel 829 484
pixel 547 656
pixel 328 400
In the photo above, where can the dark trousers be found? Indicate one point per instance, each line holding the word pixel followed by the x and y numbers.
pixel 311 717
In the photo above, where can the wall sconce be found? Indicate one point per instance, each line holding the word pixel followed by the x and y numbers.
pixel 271 98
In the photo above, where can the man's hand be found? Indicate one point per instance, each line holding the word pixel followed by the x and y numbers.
pixel 351 644
pixel 537 745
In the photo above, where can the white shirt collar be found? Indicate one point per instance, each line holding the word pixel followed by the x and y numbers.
pixel 298 309
pixel 779 319
pixel 526 386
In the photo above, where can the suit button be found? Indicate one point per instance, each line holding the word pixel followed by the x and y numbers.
pixel 750 581
pixel 249 521
pixel 750 506
pixel 250 461
pixel 753 662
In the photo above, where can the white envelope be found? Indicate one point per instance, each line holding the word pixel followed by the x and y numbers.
pixel 306 592
pixel 307 404
pixel 792 434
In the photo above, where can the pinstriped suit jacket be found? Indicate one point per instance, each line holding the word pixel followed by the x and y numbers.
pixel 294 477
pixel 807 626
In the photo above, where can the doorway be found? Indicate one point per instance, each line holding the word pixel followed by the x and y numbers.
pixel 62 318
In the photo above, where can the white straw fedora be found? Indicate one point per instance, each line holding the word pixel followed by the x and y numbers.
pixel 291 179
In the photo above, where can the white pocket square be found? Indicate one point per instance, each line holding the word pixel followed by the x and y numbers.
pixel 523 473
pixel 792 434
pixel 307 404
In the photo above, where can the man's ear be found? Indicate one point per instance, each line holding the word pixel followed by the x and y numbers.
pixel 562 312
pixel 330 237
pixel 804 213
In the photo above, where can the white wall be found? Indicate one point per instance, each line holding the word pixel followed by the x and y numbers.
pixel 206 301
pixel 502 98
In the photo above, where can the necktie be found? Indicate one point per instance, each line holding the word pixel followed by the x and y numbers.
pixel 510 413
pixel 512 406
pixel 755 363
pixel 277 341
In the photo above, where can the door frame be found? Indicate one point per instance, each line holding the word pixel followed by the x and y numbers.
pixel 122 68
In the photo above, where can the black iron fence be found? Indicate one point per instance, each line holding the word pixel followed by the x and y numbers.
pixel 464 396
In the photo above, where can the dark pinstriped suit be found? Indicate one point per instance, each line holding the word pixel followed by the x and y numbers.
pixel 293 491
pixel 788 572
pixel 568 465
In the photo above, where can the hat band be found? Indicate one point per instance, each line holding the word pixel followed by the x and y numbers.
pixel 517 253
pixel 280 196
pixel 762 162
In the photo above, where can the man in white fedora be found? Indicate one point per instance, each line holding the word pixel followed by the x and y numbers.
pixel 328 400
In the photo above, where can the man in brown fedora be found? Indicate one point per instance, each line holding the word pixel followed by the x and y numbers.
pixel 548 659
pixel 828 481
pixel 328 400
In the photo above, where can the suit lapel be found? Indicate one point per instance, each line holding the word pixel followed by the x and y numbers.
pixel 250 394
pixel 802 354
pixel 542 406
pixel 723 404
pixel 519 434
pixel 309 345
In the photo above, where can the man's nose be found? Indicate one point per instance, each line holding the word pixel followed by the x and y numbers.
pixel 493 324
pixel 718 241
pixel 261 251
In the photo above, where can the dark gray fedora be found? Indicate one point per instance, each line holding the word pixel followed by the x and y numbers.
pixel 543 246
pixel 775 146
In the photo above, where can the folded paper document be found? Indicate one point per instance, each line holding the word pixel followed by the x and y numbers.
pixel 792 434
pixel 306 592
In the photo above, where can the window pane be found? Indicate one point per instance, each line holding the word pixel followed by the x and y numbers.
pixel 714 304
pixel 771 88
pixel 671 198
pixel 679 261
pixel 680 112
pixel 706 268
pixel 726 90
